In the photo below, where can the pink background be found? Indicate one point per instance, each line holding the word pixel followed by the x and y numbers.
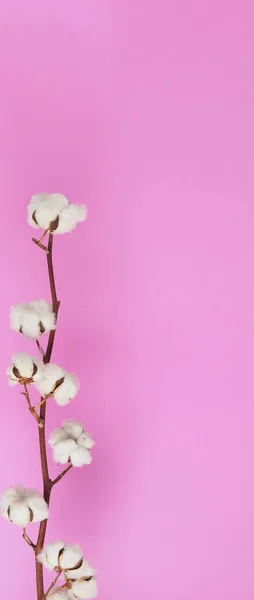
pixel 144 110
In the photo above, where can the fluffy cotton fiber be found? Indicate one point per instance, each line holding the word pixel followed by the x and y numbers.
pixel 85 571
pixel 57 383
pixel 32 319
pixel 54 213
pixel 60 555
pixel 71 444
pixel 24 369
pixel 22 506
pixel 83 589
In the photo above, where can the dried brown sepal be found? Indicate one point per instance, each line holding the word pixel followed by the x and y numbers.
pixel 54 224
pixel 58 384
pixel 41 327
pixel 34 217
pixel 31 515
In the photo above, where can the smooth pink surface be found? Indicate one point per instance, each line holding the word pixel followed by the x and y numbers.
pixel 144 110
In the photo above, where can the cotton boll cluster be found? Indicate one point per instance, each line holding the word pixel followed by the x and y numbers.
pixel 24 369
pixel 79 574
pixel 71 444
pixel 22 506
pixel 54 213
pixel 32 319
pixel 57 383
pixel 58 555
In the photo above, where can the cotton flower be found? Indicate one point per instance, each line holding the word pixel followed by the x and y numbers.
pixel 58 555
pixel 22 506
pixel 84 589
pixel 25 369
pixel 54 213
pixel 71 444
pixel 57 383
pixel 32 319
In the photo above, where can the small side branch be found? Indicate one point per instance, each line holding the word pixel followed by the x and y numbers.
pixel 53 583
pixel 31 408
pixel 40 348
pixel 27 539
pixel 39 242
pixel 62 587
pixel 61 475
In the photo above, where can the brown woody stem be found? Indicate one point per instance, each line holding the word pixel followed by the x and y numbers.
pixel 47 483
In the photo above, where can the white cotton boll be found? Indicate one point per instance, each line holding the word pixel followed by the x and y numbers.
pixel 22 506
pixel 63 450
pixel 85 570
pixel 32 319
pixel 70 216
pixel 19 514
pixel 49 556
pixel 72 428
pixel 67 390
pixel 70 445
pixel 53 212
pixel 57 383
pixel 85 590
pixel 24 369
pixel 51 375
pixel 70 557
pixel 44 209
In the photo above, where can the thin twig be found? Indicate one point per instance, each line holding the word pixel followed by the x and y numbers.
pixel 27 539
pixel 53 583
pixel 31 408
pixel 62 587
pixel 59 477
pixel 38 243
pixel 40 403
pixel 40 348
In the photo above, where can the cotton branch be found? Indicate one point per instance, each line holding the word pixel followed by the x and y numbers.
pixel 31 408
pixel 61 475
pixel 53 583
pixel 54 214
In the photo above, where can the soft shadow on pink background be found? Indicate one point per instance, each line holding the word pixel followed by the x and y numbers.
pixel 144 111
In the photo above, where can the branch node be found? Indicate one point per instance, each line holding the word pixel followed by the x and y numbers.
pixel 38 243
